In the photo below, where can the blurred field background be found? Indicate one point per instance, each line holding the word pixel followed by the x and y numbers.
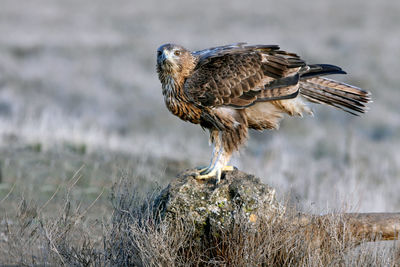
pixel 79 95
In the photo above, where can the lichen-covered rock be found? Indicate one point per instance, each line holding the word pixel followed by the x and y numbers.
pixel 210 207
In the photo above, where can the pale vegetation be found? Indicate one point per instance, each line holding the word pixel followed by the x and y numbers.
pixel 134 236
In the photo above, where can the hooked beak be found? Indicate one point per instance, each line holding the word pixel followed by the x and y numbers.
pixel 162 58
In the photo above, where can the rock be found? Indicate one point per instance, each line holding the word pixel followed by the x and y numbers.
pixel 210 207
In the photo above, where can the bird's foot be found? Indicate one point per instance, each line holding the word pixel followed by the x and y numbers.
pixel 228 168
pixel 207 173
pixel 201 169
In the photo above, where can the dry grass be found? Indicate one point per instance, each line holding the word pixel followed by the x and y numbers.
pixel 135 236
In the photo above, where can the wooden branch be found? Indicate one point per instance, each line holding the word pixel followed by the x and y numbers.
pixel 374 226
pixel 355 227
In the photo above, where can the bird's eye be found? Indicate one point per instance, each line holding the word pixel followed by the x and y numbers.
pixel 159 53
pixel 177 53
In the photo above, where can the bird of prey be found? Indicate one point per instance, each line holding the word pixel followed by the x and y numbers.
pixel 230 89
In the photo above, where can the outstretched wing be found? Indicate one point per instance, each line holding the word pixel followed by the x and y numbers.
pixel 240 75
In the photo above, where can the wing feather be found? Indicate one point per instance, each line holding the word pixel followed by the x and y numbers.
pixel 240 75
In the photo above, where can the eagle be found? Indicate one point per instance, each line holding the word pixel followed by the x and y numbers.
pixel 233 88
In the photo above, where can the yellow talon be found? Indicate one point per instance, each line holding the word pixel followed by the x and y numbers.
pixel 201 169
pixel 214 173
pixel 206 173
pixel 228 168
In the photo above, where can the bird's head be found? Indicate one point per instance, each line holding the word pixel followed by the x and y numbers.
pixel 174 60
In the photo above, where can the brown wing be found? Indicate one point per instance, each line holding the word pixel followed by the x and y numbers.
pixel 240 76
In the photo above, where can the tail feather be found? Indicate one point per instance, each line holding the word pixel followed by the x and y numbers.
pixel 337 94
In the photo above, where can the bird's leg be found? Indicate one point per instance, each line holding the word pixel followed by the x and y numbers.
pixel 216 148
pixel 218 161
pixel 216 142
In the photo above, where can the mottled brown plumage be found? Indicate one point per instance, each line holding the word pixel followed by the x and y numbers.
pixel 229 89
